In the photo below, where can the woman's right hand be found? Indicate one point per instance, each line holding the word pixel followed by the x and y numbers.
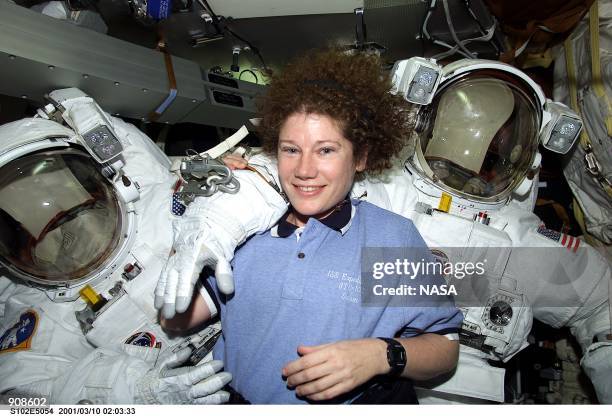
pixel 234 161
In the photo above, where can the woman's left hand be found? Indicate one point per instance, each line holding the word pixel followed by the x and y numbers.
pixel 234 161
pixel 328 370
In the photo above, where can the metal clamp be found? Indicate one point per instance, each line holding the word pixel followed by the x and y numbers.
pixel 594 168
pixel 87 316
pixel 200 344
pixel 204 176
pixel 592 165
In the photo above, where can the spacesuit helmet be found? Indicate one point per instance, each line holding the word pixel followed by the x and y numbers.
pixel 479 135
pixel 478 127
pixel 61 219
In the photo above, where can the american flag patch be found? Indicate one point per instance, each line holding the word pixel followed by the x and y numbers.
pixel 178 208
pixel 565 240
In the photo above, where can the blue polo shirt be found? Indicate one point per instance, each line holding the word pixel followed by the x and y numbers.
pixel 302 287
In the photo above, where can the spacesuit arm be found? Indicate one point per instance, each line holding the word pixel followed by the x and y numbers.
pixel 209 232
pixel 597 364
pixel 572 289
pixel 597 357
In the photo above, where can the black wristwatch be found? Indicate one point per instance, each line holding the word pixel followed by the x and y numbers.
pixel 396 356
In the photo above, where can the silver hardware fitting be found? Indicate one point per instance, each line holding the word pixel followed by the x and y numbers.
pixel 592 165
pixel 88 314
pixel 52 110
pixel 200 344
pixel 594 168
pixel 131 270
pixel 482 218
pixel 204 176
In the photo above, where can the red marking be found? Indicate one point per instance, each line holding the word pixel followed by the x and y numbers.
pixel 177 185
pixel 577 244
pixel 564 238
pixel 569 244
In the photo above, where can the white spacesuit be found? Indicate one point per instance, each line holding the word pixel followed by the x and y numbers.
pixel 467 184
pixel 85 229
pixel 476 158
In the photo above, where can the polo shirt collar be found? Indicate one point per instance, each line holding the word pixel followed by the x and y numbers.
pixel 339 220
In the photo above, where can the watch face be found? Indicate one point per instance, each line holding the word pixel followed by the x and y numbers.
pixel 396 356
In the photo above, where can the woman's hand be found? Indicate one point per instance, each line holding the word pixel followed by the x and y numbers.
pixel 329 370
pixel 234 161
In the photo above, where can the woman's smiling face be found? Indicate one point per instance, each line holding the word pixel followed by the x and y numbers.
pixel 316 166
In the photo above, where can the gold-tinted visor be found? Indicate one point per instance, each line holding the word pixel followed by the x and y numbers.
pixel 479 136
pixel 59 217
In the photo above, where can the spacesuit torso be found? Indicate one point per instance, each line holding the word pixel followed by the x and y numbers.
pixel 556 285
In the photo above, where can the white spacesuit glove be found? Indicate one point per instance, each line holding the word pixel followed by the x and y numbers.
pixel 128 376
pixel 196 246
pixel 166 384
pixel 208 233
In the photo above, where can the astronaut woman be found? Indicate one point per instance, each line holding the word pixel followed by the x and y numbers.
pixel 328 117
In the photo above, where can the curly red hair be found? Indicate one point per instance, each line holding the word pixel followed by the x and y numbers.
pixel 352 90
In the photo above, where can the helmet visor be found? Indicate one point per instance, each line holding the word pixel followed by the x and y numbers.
pixel 479 137
pixel 59 217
